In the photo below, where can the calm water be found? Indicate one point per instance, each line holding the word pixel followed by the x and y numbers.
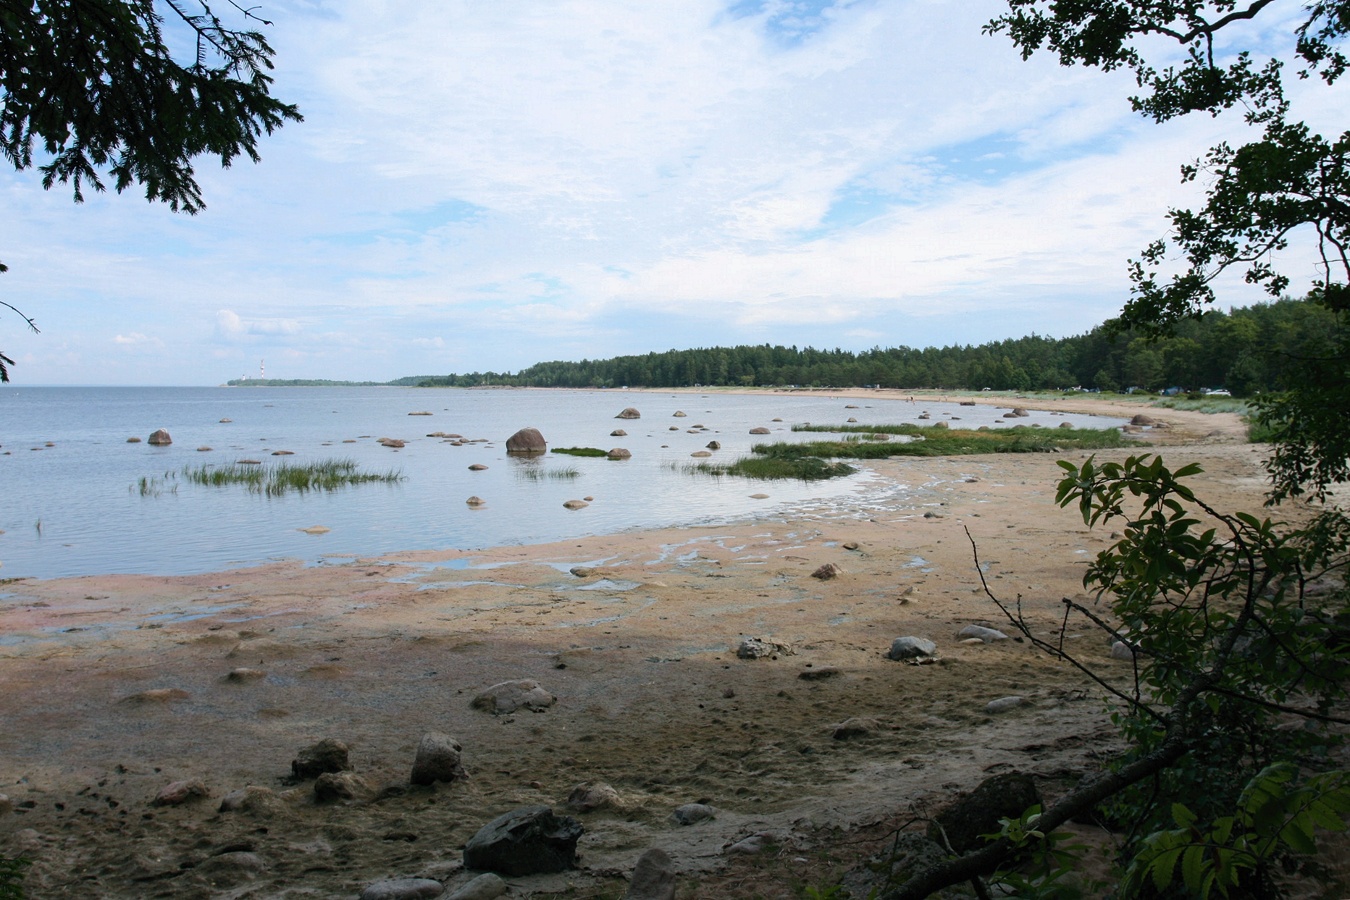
pixel 71 505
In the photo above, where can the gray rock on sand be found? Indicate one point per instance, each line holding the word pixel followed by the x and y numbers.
pixel 653 877
pixel 526 841
pixel 179 792
pixel 856 726
pixel 254 799
pixel 692 814
pixel 590 796
pixel 988 635
pixel 1122 651
pixel 912 648
pixel 328 755
pixel 526 441
pixel 160 438
pixel 1003 704
pixel 337 787
pixel 437 759
pixel 404 889
pixel 509 696
pixel 750 845
pixel 758 648
pixel 629 413
pixel 827 572
pixel 487 886
pixel 1142 419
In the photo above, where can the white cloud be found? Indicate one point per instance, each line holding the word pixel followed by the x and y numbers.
pixel 230 325
pixel 626 162
pixel 136 339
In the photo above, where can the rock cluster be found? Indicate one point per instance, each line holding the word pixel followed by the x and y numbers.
pixel 509 696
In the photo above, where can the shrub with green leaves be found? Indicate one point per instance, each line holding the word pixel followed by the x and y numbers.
pixel 11 877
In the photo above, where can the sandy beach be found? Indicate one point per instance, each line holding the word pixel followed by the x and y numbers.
pixel 113 687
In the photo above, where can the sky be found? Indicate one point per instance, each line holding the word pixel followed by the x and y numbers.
pixel 479 186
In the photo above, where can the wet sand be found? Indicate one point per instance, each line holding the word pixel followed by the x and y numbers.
pixel 113 687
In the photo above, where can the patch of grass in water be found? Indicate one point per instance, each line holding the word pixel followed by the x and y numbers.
pixel 273 481
pixel 539 474
pixel 580 451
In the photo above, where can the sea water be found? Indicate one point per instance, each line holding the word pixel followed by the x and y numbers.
pixel 71 503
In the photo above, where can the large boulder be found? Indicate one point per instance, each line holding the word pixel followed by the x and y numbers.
pixel 961 825
pixel 619 453
pixel 629 413
pixel 161 438
pixel 912 648
pixel 526 841
pixel 527 441
pixel 437 759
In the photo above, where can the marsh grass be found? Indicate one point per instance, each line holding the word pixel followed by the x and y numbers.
pixel 153 486
pixel 805 468
pixel 283 478
pixel 541 474
pixel 580 451
pixel 930 441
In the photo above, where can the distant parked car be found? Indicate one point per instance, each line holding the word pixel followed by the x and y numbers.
pixel 1218 393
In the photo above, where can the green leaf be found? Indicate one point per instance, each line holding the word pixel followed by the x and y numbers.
pixel 1193 866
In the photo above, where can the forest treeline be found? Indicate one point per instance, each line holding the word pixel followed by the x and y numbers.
pixel 1246 351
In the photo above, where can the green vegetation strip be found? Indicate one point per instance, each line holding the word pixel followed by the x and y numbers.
pixel 580 451
pixel 273 481
pixel 930 441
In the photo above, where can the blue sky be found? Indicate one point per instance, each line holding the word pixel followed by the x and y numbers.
pixel 481 186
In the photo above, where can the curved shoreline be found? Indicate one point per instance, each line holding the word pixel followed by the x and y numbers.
pixel 114 686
